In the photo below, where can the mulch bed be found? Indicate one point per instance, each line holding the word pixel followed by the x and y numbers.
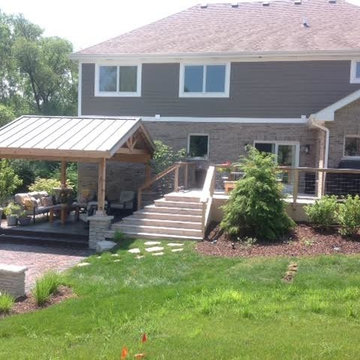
pixel 304 240
pixel 28 304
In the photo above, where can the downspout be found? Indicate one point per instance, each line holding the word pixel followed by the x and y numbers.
pixel 316 124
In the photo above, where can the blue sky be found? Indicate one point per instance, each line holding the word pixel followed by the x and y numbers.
pixel 86 23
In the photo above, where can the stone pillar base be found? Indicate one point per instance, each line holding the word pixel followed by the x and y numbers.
pixel 99 225
pixel 12 280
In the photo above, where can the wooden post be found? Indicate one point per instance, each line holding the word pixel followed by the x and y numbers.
pixel 101 187
pixel 139 199
pixel 176 180
pixel 147 173
pixel 320 174
pixel 296 185
pixel 186 176
pixel 63 174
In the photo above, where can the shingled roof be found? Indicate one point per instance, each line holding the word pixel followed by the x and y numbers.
pixel 281 26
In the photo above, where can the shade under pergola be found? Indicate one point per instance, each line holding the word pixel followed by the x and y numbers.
pixel 77 139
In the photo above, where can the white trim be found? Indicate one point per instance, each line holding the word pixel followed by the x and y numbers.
pixel 283 142
pixel 349 157
pixel 188 146
pixel 117 93
pixel 328 113
pixel 353 78
pixel 79 88
pixel 204 94
pixel 302 120
pixel 226 56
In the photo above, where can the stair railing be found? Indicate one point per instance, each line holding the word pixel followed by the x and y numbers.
pixel 206 198
pixel 175 168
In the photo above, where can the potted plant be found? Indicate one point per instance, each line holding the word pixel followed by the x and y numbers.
pixel 225 169
pixel 23 218
pixel 11 212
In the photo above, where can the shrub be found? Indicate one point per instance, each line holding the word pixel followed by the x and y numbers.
pixel 324 212
pixel 48 185
pixel 164 156
pixel 9 181
pixel 6 303
pixel 46 286
pixel 12 209
pixel 349 216
pixel 256 207
pixel 119 236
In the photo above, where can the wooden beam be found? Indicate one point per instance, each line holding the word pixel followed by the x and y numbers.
pixel 48 158
pixel 63 174
pixel 134 151
pixel 132 158
pixel 147 172
pixel 101 187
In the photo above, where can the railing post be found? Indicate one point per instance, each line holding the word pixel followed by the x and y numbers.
pixel 186 176
pixel 176 179
pixel 296 185
pixel 203 215
pixel 139 198
pixel 321 182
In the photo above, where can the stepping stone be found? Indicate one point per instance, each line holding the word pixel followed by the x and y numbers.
pixel 115 255
pixel 83 264
pixel 152 243
pixel 176 250
pixel 158 254
pixel 134 251
pixel 154 249
pixel 139 256
pixel 174 244
pixel 118 260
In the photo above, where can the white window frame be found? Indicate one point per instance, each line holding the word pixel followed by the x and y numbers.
pixel 206 157
pixel 204 94
pixel 349 157
pixel 99 93
pixel 277 143
pixel 353 78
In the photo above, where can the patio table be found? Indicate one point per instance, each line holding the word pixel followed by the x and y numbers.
pixel 64 210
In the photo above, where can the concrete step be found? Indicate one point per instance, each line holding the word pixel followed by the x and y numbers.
pixel 125 228
pixel 166 216
pixel 172 210
pixel 145 235
pixel 178 204
pixel 182 198
pixel 132 220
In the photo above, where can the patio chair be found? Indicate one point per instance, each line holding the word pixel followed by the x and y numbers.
pixel 126 201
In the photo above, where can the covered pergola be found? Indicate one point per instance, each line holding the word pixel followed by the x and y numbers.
pixel 78 139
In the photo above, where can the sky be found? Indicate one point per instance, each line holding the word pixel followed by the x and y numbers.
pixel 87 22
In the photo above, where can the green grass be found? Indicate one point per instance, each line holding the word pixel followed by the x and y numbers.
pixel 45 287
pixel 6 303
pixel 196 307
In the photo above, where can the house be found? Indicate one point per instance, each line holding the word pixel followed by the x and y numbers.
pixel 283 76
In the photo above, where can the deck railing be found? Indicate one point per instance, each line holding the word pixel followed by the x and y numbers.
pixel 174 170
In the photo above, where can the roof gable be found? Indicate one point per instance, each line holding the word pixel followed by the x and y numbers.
pixel 246 28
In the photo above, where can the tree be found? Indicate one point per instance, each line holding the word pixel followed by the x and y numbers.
pixel 6 114
pixel 9 181
pixel 256 207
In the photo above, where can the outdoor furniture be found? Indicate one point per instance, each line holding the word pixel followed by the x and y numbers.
pixel 92 207
pixel 126 201
pixel 64 210
pixel 35 203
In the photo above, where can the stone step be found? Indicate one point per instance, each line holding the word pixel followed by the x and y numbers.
pixel 145 235
pixel 182 198
pixel 156 230
pixel 178 204
pixel 166 216
pixel 172 210
pixel 132 220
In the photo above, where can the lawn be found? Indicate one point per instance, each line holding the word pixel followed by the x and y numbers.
pixel 196 307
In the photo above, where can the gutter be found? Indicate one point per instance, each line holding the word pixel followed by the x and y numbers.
pixel 315 123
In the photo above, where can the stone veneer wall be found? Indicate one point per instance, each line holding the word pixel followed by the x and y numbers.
pixel 227 142
pixel 347 122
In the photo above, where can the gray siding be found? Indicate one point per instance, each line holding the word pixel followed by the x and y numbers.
pixel 257 89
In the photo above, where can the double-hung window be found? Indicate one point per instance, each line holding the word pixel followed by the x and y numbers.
pixel 118 80
pixel 355 72
pixel 352 146
pixel 204 80
pixel 198 146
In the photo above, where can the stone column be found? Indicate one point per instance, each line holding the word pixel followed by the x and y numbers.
pixel 12 279
pixel 99 225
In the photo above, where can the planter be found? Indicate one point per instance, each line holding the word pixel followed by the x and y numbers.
pixel 11 220
pixel 24 221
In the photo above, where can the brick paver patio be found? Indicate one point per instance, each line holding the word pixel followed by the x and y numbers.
pixel 40 259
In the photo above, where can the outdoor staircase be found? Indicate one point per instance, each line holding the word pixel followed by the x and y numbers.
pixel 178 215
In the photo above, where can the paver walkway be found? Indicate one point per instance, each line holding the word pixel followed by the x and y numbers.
pixel 40 259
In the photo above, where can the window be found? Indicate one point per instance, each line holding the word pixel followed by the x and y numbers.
pixel 123 80
pixel 198 146
pixel 352 145
pixel 204 80
pixel 355 72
